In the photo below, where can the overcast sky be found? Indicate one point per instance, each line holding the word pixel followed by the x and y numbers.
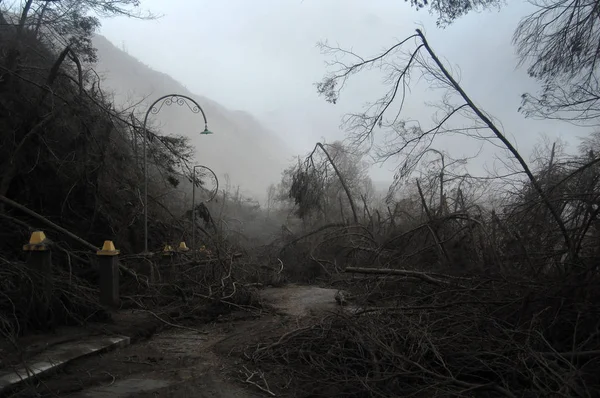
pixel 260 56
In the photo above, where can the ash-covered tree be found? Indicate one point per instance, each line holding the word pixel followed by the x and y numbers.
pixel 404 139
pixel 572 183
pixel 66 152
pixel 447 11
pixel 328 183
pixel 64 23
pixel 558 43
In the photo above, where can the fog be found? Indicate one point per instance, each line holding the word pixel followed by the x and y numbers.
pixel 261 57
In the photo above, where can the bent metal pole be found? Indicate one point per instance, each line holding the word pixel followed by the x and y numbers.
pixel 194 208
pixel 154 108
pixel 210 197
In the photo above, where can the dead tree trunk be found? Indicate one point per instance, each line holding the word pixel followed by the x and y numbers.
pixel 555 215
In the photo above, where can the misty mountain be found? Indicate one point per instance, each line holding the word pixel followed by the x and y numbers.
pixel 241 147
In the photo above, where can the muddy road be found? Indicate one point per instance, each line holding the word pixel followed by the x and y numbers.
pixel 206 362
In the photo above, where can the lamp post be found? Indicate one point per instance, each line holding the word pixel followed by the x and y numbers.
pixel 211 197
pixel 155 107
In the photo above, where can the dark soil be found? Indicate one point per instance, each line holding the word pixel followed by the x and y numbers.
pixel 206 362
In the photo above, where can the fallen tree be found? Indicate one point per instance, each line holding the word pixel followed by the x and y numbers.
pixel 400 272
pixel 489 336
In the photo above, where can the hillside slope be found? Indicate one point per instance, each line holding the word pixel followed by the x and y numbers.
pixel 251 154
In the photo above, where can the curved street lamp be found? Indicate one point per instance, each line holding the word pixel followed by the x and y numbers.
pixel 155 107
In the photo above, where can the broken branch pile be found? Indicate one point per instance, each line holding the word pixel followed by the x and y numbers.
pixel 464 337
pixel 25 305
pixel 190 289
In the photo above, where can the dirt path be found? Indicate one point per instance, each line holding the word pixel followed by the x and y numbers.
pixel 296 300
pixel 185 363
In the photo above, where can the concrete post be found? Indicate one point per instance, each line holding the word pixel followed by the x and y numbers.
pixel 182 248
pixel 108 267
pixel 181 251
pixel 166 263
pixel 180 255
pixel 39 260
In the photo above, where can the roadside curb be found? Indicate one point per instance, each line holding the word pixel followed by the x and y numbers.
pixel 55 358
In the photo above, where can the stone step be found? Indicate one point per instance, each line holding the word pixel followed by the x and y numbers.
pixel 58 356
